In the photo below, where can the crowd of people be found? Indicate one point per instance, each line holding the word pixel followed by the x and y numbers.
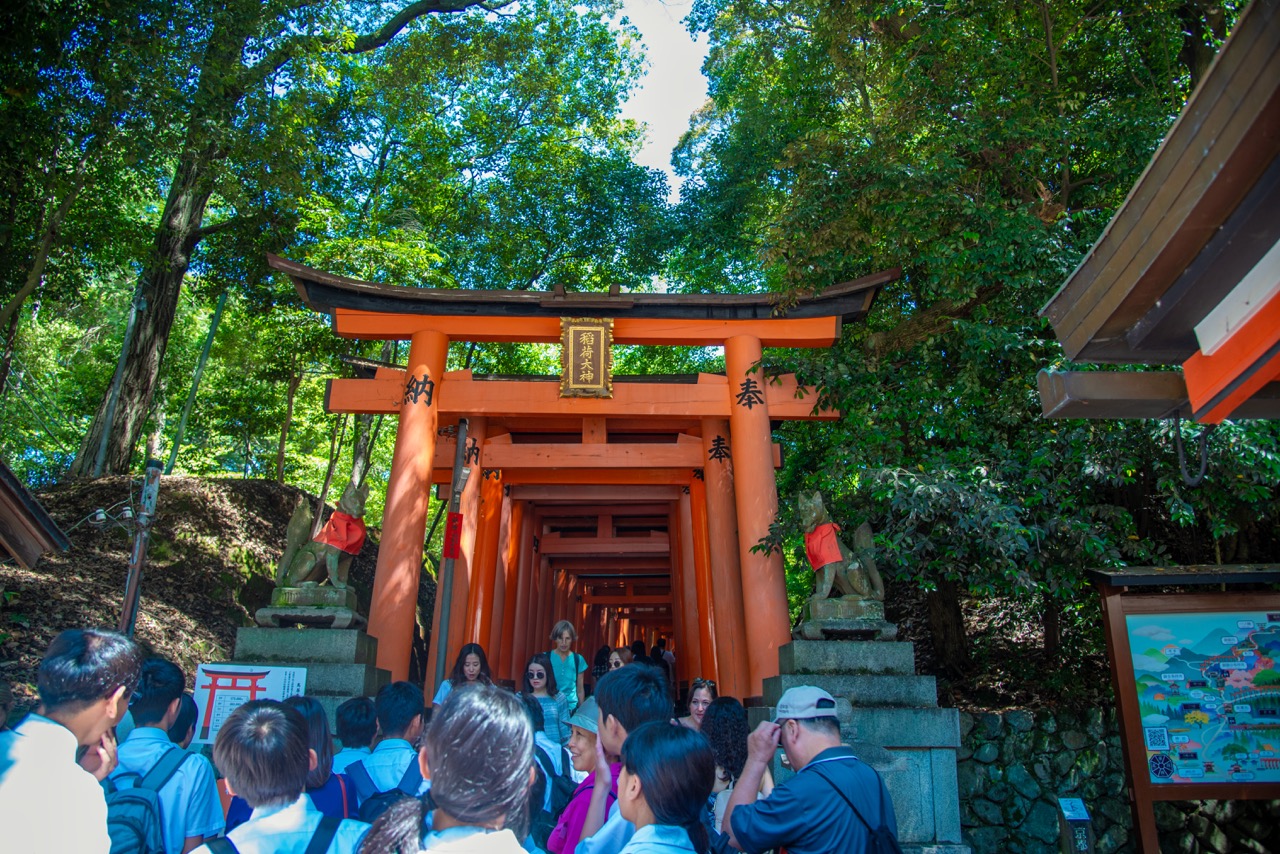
pixel 555 767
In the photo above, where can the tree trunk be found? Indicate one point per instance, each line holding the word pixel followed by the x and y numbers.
pixel 161 286
pixel 1052 626
pixel 950 643
pixel 335 451
pixel 6 361
pixel 294 382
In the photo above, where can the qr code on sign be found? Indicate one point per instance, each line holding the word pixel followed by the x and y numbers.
pixel 1157 738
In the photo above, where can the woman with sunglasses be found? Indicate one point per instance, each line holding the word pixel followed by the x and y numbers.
pixel 620 657
pixel 540 683
pixel 701 694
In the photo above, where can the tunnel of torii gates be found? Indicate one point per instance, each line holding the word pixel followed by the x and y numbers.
pixel 631 516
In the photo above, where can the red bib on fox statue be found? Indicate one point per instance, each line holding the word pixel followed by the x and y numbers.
pixel 822 545
pixel 344 532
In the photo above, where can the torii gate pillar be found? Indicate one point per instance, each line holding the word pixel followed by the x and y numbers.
pixel 764 587
pixel 404 517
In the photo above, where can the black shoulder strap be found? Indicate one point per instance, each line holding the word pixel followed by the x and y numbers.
pixel 323 836
pixel 412 778
pixel 566 764
pixel 222 845
pixel 364 783
pixel 164 769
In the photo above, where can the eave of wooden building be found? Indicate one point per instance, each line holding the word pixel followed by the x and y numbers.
pixel 1188 271
pixel 26 531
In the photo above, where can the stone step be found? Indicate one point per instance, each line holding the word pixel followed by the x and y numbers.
pixel 333 646
pixel 867 657
pixel 886 727
pixel 862 691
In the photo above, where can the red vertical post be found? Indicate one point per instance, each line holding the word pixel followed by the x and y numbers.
pixel 756 497
pixel 484 569
pixel 526 568
pixel 726 574
pixel 684 592
pixel 695 519
pixel 404 517
pixel 504 637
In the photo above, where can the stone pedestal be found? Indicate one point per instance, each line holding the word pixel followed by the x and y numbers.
pixel 340 663
pixel 846 618
pixel 311 605
pixel 890 717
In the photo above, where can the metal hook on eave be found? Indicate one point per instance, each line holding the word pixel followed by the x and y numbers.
pixel 1202 442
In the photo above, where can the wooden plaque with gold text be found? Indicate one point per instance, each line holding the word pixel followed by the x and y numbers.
pixel 586 357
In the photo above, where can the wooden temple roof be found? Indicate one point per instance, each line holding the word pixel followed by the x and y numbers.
pixel 1187 273
pixel 327 293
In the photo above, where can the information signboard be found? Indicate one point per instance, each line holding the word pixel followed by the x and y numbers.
pixel 223 688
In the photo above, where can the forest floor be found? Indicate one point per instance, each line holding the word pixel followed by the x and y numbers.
pixel 211 559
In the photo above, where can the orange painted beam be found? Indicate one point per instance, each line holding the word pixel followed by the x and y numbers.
pixel 623 601
pixel 772 332
pixel 612 565
pixel 502 398
pixel 1251 348
pixel 559 456
pixel 556 544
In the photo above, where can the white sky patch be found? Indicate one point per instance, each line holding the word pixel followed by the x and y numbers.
pixel 673 87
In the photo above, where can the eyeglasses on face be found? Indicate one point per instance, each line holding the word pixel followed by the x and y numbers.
pixel 615 664
pixel 535 674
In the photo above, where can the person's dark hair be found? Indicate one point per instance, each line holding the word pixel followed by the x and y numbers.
pixel 318 738
pixel 396 707
pixel 480 747
pixel 625 653
pixel 637 648
pixel 825 726
pixel 458 678
pixel 602 657
pixel 160 682
pixel 356 722
pixel 534 710
pixel 82 666
pixel 188 714
pixel 645 660
pixel 634 695
pixel 662 643
pixel 262 749
pixel 700 684
pixel 677 771
pixel 543 660
pixel 725 726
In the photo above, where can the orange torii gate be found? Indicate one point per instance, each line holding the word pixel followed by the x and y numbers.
pixel 632 515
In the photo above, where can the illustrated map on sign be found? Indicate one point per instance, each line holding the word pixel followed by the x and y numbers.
pixel 1209 695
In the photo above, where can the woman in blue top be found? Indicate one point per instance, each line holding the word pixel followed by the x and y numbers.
pixel 331 794
pixel 540 682
pixel 667 773
pixel 478 753
pixel 569 665
pixel 472 665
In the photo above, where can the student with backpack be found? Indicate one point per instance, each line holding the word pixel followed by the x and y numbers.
pixel 667 772
pixel 478 752
pixel 184 782
pixel 834 803
pixel 48 801
pixel 582 748
pixel 263 751
pixel 391 771
pixel 540 683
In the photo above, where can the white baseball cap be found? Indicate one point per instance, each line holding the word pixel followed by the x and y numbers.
pixel 804 702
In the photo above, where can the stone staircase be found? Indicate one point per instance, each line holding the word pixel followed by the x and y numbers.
pixel 890 717
pixel 340 663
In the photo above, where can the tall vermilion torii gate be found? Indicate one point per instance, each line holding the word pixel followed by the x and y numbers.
pixel 633 516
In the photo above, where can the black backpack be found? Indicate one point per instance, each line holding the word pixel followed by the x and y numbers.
pixel 320 839
pixel 373 802
pixel 543 821
pixel 882 840
pixel 134 816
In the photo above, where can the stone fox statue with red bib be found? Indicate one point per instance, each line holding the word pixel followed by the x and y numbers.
pixel 833 563
pixel 331 552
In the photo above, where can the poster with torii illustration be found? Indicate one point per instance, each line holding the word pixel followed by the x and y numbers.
pixel 1208 690
pixel 222 688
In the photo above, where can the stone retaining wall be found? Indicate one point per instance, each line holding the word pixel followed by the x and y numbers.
pixel 1013 766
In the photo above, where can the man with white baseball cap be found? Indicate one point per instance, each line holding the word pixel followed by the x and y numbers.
pixel 834 803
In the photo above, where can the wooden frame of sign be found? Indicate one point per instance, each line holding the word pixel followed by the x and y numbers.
pixel 586 357
pixel 1192 677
